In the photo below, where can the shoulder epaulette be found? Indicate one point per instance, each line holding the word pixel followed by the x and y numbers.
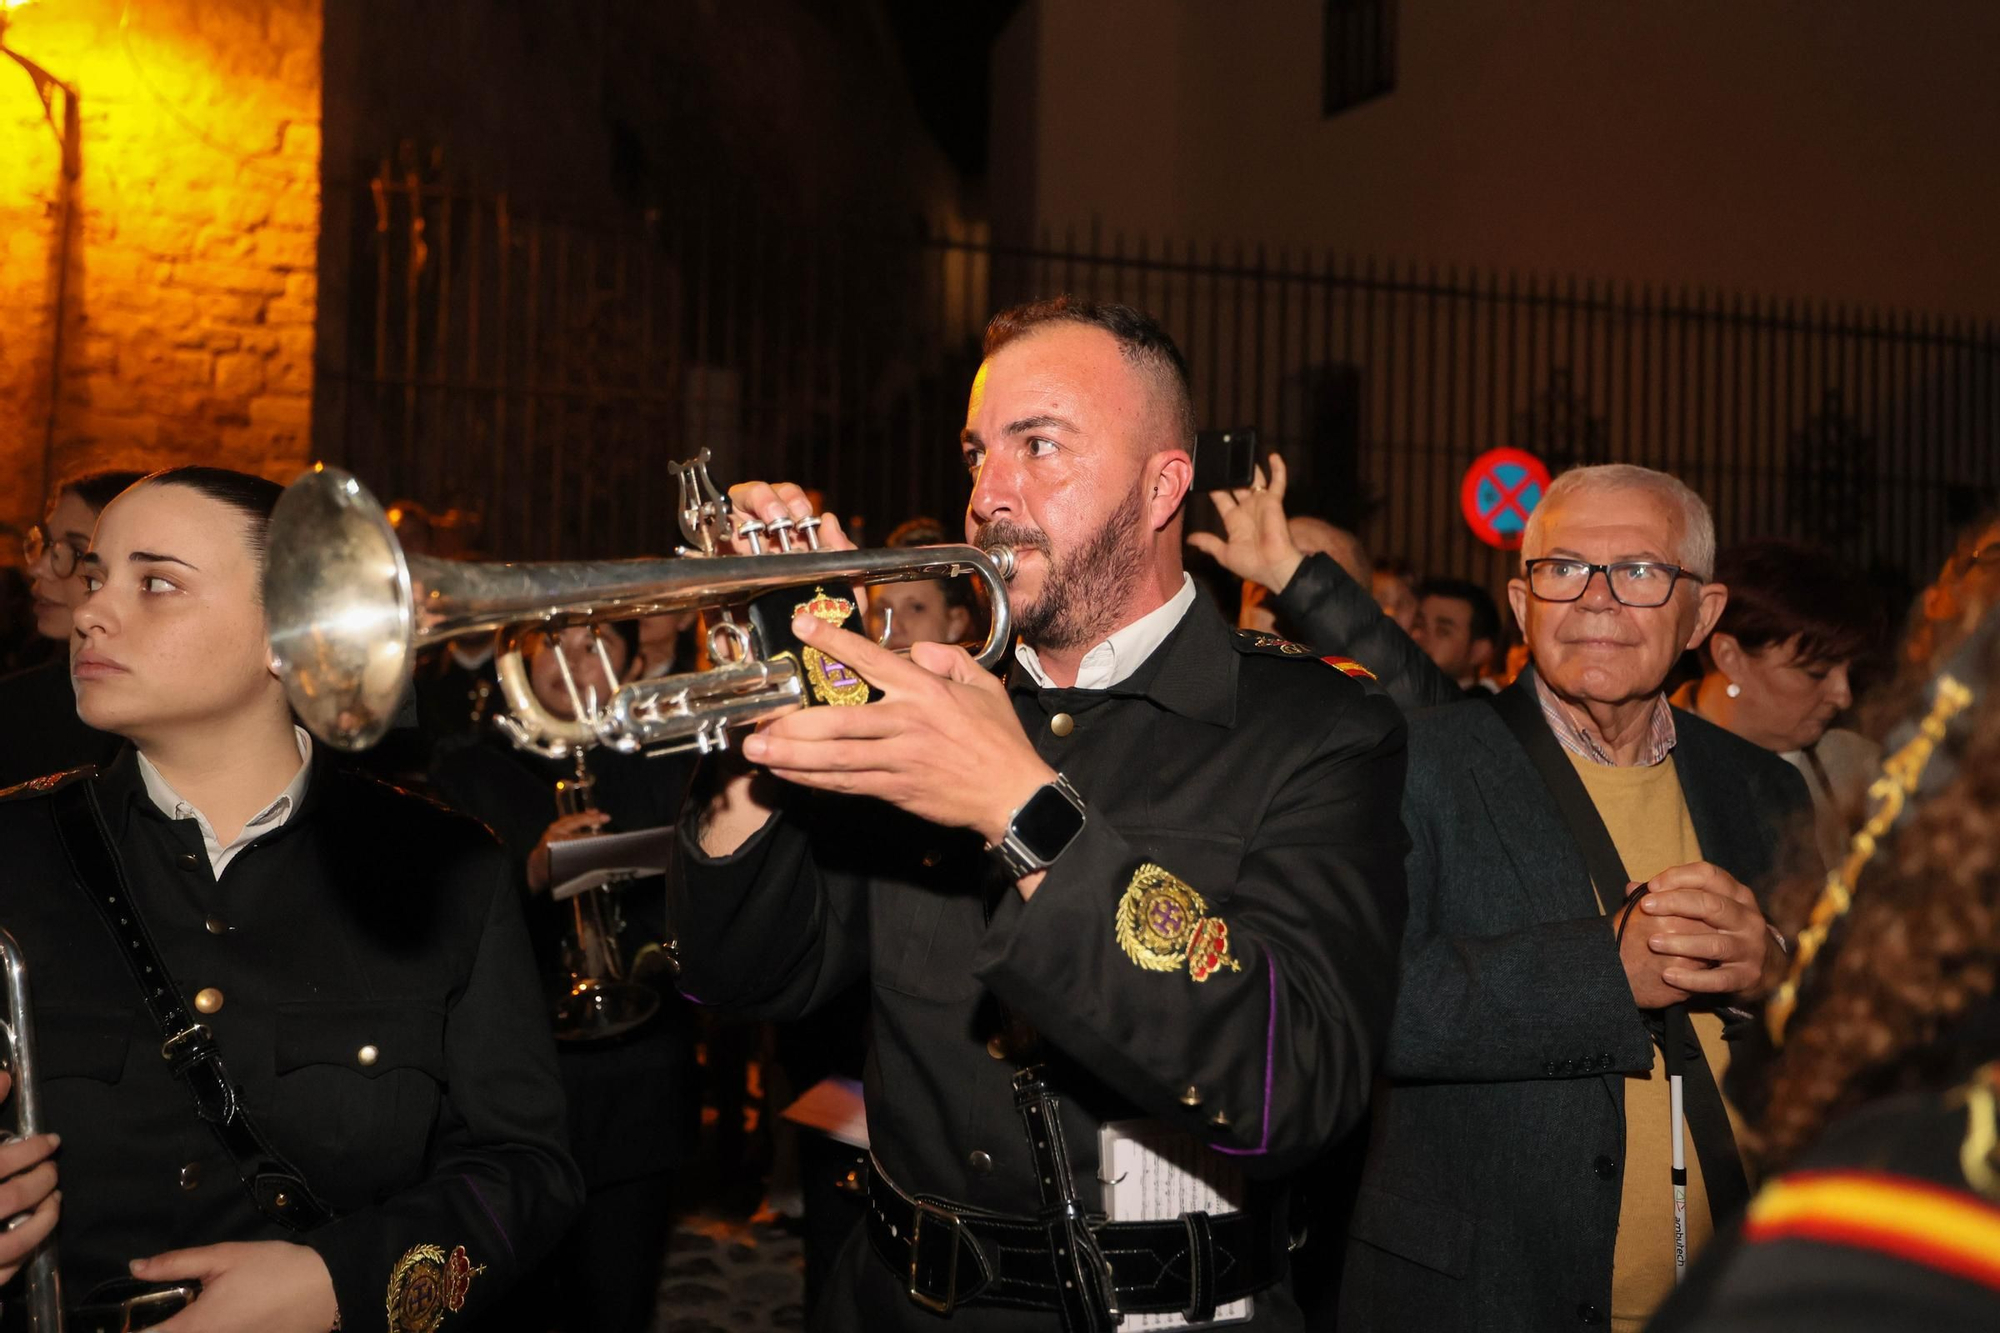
pixel 1276 645
pixel 45 784
pixel 1934 1226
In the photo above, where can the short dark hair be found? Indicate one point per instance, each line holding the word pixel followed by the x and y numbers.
pixel 252 496
pixel 98 489
pixel 1780 590
pixel 1141 339
pixel 1484 618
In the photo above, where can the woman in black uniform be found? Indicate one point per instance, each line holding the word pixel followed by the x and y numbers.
pixel 39 729
pixel 359 1122
pixel 634 1098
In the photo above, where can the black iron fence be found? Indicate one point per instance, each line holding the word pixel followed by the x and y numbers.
pixel 539 373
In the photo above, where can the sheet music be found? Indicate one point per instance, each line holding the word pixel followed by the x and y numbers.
pixel 1151 1173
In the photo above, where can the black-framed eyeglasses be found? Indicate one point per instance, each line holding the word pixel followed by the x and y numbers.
pixel 1641 583
pixel 62 556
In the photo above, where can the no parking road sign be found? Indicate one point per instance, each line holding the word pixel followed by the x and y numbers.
pixel 1501 488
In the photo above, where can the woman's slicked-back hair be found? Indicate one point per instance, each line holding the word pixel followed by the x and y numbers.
pixel 98 489
pixel 1780 591
pixel 252 496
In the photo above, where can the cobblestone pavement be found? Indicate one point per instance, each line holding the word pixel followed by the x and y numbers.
pixel 727 1276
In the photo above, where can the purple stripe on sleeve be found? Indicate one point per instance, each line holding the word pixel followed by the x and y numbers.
pixel 1270 1063
pixel 491 1216
pixel 694 999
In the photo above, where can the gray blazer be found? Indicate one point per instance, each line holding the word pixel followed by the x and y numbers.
pixel 1491 1193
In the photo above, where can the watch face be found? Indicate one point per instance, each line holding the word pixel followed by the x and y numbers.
pixel 1047 823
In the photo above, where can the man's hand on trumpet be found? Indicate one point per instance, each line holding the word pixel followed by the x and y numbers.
pixel 942 743
pixel 29 1199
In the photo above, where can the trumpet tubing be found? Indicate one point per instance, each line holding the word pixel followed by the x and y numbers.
pixel 349 610
pixel 43 1281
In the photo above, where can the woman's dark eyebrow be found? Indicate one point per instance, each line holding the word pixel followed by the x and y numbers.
pixel 154 557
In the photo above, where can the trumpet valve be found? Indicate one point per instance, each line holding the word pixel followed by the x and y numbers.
pixel 810 527
pixel 752 531
pixel 781 531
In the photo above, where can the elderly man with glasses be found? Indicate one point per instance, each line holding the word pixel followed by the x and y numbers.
pixel 1584 925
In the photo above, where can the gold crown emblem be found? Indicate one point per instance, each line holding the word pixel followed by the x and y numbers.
pixel 833 610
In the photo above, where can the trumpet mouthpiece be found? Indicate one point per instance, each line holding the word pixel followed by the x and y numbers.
pixel 1005 560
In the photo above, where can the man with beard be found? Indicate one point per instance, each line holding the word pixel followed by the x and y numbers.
pixel 1154 877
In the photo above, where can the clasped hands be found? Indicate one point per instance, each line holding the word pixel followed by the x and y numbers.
pixel 1696 931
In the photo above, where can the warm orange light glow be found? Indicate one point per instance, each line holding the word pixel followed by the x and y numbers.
pixel 8 6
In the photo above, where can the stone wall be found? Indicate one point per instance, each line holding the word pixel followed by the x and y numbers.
pixel 190 292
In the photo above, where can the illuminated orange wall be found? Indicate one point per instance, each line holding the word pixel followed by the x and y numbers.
pixel 188 328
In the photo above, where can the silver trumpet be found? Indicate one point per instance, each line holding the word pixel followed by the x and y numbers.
pixel 43 1281
pixel 349 610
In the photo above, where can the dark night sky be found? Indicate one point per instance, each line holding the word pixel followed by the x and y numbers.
pixel 944 45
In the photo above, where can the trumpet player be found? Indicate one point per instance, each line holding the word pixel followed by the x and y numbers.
pixel 1147 887
pixel 357 1121
pixel 634 1094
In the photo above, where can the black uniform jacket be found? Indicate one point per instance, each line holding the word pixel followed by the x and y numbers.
pixel 1261 778
pixel 39 729
pixel 1324 607
pixel 379 1011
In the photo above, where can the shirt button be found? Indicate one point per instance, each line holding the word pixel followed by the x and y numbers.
pixel 1605 1167
pixel 208 999
pixel 1062 724
pixel 980 1161
pixel 217 926
pixel 189 860
pixel 368 1055
pixel 191 1176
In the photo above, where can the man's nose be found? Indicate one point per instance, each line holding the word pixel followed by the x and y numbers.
pixel 1597 591
pixel 996 490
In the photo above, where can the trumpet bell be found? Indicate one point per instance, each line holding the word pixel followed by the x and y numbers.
pixel 338 598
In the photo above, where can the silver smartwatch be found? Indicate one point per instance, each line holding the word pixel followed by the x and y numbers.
pixel 1041 829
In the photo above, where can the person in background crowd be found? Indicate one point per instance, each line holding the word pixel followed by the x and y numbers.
pixel 358 1124
pixel 1777 671
pixel 1970 575
pixel 634 1106
pixel 1321 601
pixel 1882 1106
pixel 1394 584
pixel 928 610
pixel 43 733
pixel 1313 536
pixel 1459 626
pixel 1581 879
pixel 663 646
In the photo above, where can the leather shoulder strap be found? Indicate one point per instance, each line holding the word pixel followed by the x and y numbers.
pixel 188 1045
pixel 1519 709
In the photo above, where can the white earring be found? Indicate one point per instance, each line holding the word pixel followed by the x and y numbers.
pixel 1734 691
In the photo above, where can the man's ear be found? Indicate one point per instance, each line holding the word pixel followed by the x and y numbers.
pixel 1169 474
pixel 957 620
pixel 1481 654
pixel 1709 605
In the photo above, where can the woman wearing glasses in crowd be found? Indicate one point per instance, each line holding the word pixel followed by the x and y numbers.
pixel 1777 669
pixel 41 732
pixel 358 1121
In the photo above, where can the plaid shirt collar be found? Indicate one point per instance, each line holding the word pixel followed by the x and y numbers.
pixel 1660 738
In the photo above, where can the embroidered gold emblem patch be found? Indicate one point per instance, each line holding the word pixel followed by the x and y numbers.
pixel 1163 925
pixel 832 682
pixel 424 1285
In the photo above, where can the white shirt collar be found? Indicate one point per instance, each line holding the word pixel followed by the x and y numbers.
pixel 271 816
pixel 1124 652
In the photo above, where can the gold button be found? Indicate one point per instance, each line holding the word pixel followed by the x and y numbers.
pixel 980 1161
pixel 1220 1120
pixel 1191 1097
pixel 932 857
pixel 189 861
pixel 191 1176
pixel 1062 724
pixel 367 1055
pixel 217 926
pixel 280 1199
pixel 996 1046
pixel 208 999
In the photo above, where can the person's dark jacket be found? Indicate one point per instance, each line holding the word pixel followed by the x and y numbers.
pixel 1262 778
pixel 1491 1194
pixel 40 732
pixel 378 1007
pixel 1324 606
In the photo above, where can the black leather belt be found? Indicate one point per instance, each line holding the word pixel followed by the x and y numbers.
pixel 948 1254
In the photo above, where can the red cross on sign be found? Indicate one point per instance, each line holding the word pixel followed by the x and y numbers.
pixel 1501 488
